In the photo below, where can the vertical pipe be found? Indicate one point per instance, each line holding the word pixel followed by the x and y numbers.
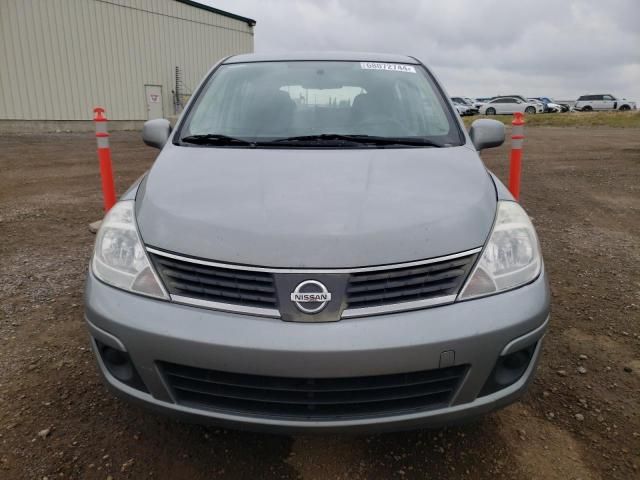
pixel 104 157
pixel 517 139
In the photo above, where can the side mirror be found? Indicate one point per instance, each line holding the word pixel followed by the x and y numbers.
pixel 155 133
pixel 486 133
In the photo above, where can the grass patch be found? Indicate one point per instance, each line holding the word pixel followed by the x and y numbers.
pixel 572 119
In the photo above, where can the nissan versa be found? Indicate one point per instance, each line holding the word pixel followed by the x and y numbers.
pixel 318 246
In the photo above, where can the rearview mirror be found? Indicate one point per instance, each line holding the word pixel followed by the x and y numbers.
pixel 155 133
pixel 486 133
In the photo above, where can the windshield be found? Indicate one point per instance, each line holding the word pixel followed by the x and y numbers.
pixel 261 102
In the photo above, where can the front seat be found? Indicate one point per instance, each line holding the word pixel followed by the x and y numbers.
pixel 373 114
pixel 271 114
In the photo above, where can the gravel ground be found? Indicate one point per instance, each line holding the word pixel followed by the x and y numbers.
pixel 580 419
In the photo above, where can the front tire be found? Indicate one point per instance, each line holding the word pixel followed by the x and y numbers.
pixel 530 110
pixel 625 108
pixel 490 111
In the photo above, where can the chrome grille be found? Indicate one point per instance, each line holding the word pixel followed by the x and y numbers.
pixel 365 291
pixel 216 284
pixel 410 284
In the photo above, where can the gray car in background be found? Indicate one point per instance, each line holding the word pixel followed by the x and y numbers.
pixel 318 246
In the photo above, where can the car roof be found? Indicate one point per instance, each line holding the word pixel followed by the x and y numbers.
pixel 326 56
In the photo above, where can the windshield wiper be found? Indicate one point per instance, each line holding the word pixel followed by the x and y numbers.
pixel 219 139
pixel 215 139
pixel 361 139
pixel 322 137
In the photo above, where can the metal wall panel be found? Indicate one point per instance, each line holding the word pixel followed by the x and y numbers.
pixel 60 58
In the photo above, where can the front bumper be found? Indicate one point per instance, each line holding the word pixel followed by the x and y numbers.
pixel 478 331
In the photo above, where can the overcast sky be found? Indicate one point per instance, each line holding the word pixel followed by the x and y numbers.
pixel 557 48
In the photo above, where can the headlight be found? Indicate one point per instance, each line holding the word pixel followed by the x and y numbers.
pixel 511 257
pixel 119 258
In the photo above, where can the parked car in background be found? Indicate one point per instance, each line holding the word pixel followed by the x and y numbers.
pixel 479 102
pixel 588 103
pixel 537 104
pixel 463 110
pixel 549 107
pixel 471 109
pixel 508 105
pixel 547 101
pixel 473 102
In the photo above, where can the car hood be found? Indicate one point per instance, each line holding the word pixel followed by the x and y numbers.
pixel 316 208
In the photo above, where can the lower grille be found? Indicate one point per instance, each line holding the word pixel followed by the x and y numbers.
pixel 312 399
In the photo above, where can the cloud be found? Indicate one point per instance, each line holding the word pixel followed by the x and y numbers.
pixel 476 47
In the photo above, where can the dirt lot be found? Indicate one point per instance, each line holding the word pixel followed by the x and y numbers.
pixel 57 420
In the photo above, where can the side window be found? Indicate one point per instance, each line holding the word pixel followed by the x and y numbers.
pixel 423 108
pixel 598 97
pixel 215 112
pixel 608 97
pixel 583 98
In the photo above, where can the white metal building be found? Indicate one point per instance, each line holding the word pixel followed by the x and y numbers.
pixel 60 58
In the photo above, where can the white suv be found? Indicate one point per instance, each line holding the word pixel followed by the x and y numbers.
pixel 588 103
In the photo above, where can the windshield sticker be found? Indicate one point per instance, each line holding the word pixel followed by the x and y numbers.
pixel 393 67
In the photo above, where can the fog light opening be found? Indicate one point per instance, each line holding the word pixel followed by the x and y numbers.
pixel 508 370
pixel 120 366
